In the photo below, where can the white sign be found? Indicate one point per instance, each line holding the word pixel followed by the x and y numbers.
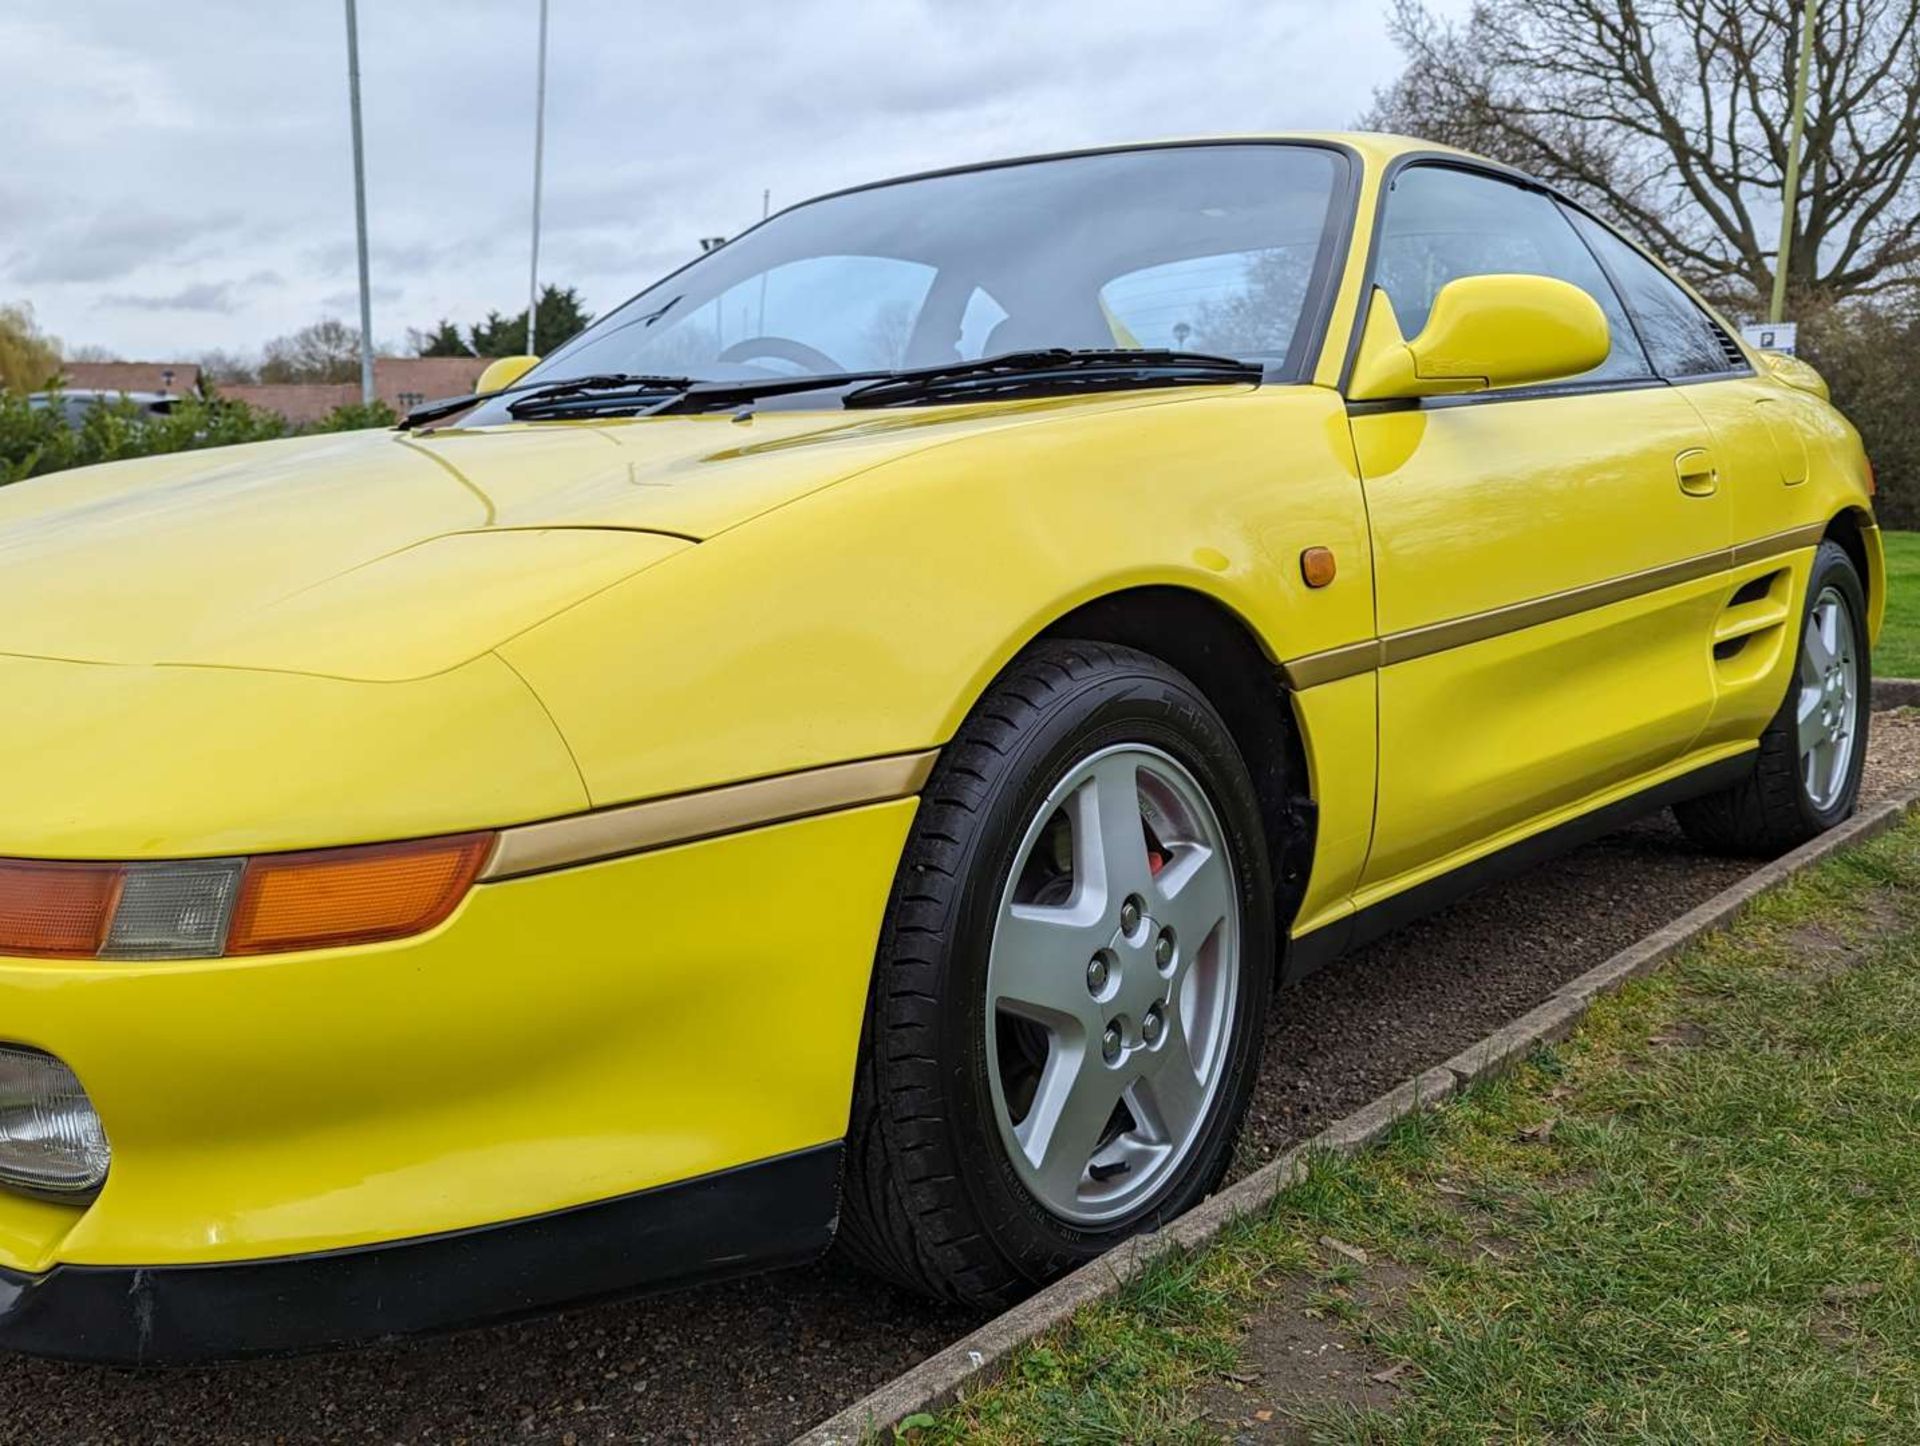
pixel 1773 336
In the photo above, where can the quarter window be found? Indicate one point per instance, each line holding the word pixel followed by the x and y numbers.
pixel 1682 339
pixel 1442 224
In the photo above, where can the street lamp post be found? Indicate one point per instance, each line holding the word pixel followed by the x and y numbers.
pixel 539 153
pixel 360 206
pixel 1790 198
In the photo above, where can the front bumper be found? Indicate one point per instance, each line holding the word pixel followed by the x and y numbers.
pixel 581 1036
pixel 776 1212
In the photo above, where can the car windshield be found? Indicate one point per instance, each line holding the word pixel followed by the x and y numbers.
pixel 1206 248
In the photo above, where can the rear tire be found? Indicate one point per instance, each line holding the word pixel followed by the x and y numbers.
pixel 1806 775
pixel 1031 969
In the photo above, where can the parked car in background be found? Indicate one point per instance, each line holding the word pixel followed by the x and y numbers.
pixel 850 744
pixel 76 405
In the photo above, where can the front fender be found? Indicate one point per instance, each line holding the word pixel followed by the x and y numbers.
pixel 867 618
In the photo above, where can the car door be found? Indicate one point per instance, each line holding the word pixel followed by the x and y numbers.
pixel 1759 443
pixel 1548 560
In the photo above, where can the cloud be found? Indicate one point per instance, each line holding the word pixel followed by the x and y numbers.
pixel 110 245
pixel 154 165
pixel 215 296
pixel 347 303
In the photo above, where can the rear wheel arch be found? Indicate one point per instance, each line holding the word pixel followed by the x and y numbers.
pixel 1221 654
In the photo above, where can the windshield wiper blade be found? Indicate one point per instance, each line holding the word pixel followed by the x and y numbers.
pixel 706 396
pixel 608 384
pixel 605 381
pixel 1055 369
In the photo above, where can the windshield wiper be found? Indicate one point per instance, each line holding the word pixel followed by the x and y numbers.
pixel 611 386
pixel 646 400
pixel 1052 371
pixel 1045 372
pixel 605 381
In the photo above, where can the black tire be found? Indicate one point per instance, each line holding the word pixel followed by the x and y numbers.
pixel 1770 812
pixel 931 1199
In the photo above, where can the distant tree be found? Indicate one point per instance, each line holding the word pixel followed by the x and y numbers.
pixel 1260 316
pixel 225 368
pixel 561 314
pixel 500 335
pixel 442 340
pixel 29 358
pixel 1672 117
pixel 357 416
pixel 326 351
pixel 91 352
pixel 887 333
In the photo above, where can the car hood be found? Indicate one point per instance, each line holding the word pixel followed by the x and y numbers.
pixel 382 556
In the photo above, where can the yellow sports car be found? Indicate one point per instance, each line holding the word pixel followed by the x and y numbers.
pixel 849 744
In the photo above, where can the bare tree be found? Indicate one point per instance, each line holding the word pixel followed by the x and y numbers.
pixel 1673 116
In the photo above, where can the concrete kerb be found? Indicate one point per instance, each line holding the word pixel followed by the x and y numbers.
pixel 976 1358
pixel 1896 693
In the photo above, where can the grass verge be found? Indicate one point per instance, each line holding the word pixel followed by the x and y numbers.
pixel 1693 1221
pixel 1898 655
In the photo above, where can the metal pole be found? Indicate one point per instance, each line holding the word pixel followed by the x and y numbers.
pixel 539 154
pixel 360 206
pixel 1790 201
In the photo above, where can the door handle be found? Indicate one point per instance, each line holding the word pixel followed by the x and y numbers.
pixel 1698 476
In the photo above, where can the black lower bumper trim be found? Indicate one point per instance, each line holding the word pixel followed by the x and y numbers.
pixel 771 1213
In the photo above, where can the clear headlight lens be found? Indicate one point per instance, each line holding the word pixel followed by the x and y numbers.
pixel 50 1138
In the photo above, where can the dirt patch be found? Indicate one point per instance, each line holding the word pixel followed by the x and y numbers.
pixel 1821 951
pixel 1296 1355
pixel 1680 1034
pixel 1893 754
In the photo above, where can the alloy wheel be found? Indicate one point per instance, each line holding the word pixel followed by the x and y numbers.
pixel 1111 984
pixel 1827 710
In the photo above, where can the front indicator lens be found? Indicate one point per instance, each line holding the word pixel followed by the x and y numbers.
pixel 354 895
pixel 59 911
pixel 50 1138
pixel 204 908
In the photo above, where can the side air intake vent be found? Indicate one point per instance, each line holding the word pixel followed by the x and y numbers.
pixel 1729 348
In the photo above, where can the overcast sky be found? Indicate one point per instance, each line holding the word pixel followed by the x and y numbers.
pixel 178 177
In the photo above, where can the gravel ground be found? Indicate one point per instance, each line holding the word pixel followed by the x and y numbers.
pixel 756 1361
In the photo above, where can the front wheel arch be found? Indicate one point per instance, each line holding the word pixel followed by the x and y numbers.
pixel 1222 656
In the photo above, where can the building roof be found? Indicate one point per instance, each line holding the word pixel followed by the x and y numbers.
pixel 172 378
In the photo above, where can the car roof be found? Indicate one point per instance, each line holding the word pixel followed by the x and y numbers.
pixel 1376 150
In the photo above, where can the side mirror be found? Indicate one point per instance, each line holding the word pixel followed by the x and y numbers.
pixel 504 372
pixel 1483 332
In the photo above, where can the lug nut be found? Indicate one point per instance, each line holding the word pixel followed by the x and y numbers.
pixel 1097 975
pixel 1110 1043
pixel 1150 1025
pixel 1130 913
pixel 1163 950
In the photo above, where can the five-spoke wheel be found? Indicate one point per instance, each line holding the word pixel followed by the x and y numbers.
pixel 1072 982
pixel 1828 708
pixel 1110 982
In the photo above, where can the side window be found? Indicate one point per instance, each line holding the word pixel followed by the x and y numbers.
pixel 1442 224
pixel 1240 303
pixel 1683 340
